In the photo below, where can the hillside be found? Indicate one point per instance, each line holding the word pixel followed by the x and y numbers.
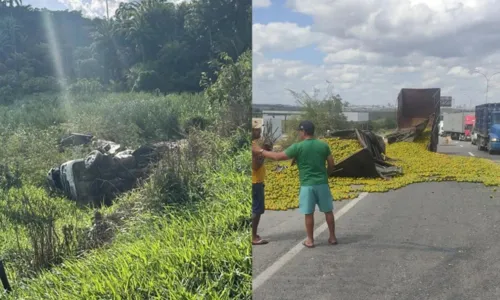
pixel 181 234
pixel 149 45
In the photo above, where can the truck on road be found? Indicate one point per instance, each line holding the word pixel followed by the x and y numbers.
pixel 487 127
pixel 473 135
pixel 458 125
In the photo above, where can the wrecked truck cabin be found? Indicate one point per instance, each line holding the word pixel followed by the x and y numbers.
pixel 106 172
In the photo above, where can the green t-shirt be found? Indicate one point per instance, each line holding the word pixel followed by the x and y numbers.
pixel 310 156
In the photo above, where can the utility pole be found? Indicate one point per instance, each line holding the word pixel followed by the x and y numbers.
pixel 487 81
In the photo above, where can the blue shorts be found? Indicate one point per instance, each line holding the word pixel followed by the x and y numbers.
pixel 310 196
pixel 258 205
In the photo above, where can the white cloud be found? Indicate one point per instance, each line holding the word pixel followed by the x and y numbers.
pixel 261 3
pixel 431 82
pixel 93 8
pixel 459 71
pixel 352 56
pixel 369 49
pixel 382 25
pixel 282 36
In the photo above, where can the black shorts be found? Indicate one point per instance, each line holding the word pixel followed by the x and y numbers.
pixel 258 207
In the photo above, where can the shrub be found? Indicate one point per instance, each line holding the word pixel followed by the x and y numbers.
pixel 86 86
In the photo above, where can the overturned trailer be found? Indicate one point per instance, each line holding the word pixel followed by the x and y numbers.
pixel 418 113
pixel 369 161
pixel 105 172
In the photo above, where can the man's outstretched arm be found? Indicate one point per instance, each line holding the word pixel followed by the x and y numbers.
pixel 275 155
pixel 269 154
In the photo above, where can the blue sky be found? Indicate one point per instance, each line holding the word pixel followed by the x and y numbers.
pixel 91 8
pixel 278 11
pixel 49 4
pixel 370 49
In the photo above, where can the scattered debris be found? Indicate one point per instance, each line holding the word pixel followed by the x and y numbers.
pixel 107 146
pixel 76 139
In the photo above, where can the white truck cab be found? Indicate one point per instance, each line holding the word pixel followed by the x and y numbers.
pixel 473 135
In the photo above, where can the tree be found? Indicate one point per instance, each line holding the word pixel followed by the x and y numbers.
pixel 148 45
pixel 326 113
pixel 10 3
pixel 232 91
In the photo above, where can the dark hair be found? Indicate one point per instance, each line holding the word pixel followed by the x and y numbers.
pixel 307 127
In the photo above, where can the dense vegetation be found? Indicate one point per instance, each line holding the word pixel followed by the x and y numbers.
pixel 149 45
pixel 182 234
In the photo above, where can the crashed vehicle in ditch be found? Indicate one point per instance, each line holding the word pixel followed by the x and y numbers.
pixel 105 172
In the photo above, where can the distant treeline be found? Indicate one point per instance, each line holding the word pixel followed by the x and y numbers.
pixel 151 45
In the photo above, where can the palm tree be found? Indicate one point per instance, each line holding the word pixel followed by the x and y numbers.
pixel 104 46
pixel 11 3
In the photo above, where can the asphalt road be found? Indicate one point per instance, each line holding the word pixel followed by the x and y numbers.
pixel 424 241
pixel 465 149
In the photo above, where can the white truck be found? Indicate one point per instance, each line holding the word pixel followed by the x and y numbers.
pixel 457 125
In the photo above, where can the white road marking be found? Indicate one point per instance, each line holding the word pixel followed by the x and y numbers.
pixel 278 264
pixel 471 154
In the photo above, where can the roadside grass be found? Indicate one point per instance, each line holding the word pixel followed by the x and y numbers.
pixel 31 129
pixel 183 234
pixel 195 252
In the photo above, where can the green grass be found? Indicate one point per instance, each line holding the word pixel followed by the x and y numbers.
pixel 184 234
pixel 31 129
pixel 201 252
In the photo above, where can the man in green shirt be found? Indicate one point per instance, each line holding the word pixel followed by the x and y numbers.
pixel 311 156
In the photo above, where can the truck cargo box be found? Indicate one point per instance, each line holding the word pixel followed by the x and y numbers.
pixel 454 122
pixel 485 117
pixel 420 107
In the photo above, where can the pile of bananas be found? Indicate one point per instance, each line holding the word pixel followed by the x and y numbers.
pixel 419 165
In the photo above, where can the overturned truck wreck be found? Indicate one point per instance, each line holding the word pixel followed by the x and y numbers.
pixel 418 113
pixel 105 172
pixel 370 161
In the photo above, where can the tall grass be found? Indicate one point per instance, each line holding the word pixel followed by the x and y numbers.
pixel 183 234
pixel 130 118
pixel 195 252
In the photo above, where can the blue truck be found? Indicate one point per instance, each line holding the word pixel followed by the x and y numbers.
pixel 487 127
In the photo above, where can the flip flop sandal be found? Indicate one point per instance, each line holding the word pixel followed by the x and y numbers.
pixel 260 242
pixel 306 245
pixel 334 243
